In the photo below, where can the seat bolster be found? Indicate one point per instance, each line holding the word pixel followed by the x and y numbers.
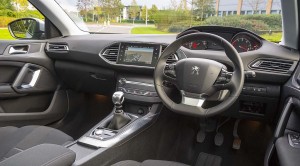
pixel 16 140
pixel 127 163
pixel 42 155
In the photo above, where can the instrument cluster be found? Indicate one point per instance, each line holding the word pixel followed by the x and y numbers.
pixel 242 42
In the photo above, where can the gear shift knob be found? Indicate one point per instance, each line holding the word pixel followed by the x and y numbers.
pixel 118 98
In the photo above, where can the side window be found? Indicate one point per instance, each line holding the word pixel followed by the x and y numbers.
pixel 20 20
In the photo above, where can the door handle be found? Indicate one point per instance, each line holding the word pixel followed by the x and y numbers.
pixel 28 70
pixel 33 78
pixel 21 49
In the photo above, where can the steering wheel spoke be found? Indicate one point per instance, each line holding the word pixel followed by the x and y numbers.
pixel 169 74
pixel 192 99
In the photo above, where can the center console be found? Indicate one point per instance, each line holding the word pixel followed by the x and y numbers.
pixel 137 106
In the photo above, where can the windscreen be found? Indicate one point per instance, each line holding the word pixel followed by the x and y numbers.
pixel 173 16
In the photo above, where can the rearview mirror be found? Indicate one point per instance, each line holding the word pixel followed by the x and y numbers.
pixel 27 28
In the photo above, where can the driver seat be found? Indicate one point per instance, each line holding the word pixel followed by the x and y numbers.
pixel 148 163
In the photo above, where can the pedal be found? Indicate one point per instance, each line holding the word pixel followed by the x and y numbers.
pixel 236 143
pixel 219 139
pixel 201 136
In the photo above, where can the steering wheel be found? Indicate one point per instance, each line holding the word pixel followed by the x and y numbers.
pixel 198 78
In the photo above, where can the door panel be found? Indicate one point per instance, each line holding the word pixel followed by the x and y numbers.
pixel 28 86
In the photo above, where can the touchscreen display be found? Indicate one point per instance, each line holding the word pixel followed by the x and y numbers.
pixel 142 55
pixel 139 54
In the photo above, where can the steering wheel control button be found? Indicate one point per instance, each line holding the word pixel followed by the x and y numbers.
pixel 170 70
pixel 224 77
pixel 294 139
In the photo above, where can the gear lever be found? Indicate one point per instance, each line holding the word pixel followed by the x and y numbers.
pixel 118 99
pixel 120 118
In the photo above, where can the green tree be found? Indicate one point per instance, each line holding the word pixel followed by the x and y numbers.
pixel 84 6
pixel 183 5
pixel 110 8
pixel 134 10
pixel 144 9
pixel 6 4
pixel 152 12
pixel 203 8
pixel 97 11
pixel 21 4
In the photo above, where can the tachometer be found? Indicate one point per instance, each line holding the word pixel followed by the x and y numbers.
pixel 242 44
pixel 196 45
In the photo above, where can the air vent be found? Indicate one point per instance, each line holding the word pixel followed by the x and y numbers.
pixel 172 58
pixel 57 47
pixel 281 66
pixel 111 52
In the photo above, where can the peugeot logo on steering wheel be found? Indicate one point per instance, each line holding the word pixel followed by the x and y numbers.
pixel 195 70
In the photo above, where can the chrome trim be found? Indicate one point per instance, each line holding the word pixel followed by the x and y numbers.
pixel 139 83
pixel 137 66
pixel 192 101
pixel 35 77
pixel 66 47
pixel 197 102
pixel 123 133
pixel 12 50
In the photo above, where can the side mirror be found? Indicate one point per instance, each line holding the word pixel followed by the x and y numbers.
pixel 27 28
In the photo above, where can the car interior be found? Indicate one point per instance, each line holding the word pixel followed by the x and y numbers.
pixel 201 97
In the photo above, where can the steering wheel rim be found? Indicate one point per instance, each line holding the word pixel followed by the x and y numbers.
pixel 235 84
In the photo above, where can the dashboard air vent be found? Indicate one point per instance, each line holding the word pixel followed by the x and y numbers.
pixel 57 47
pixel 111 52
pixel 272 65
pixel 172 58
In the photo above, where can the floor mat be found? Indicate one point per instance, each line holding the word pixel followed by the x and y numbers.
pixel 255 137
pixel 205 159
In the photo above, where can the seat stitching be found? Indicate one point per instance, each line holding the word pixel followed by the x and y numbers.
pixel 57 158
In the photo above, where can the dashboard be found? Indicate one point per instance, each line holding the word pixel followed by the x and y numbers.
pixel 103 63
pixel 139 53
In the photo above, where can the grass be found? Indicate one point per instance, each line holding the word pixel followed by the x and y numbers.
pixel 147 30
pixel 274 37
pixel 5 35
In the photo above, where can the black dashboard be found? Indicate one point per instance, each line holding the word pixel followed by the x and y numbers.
pixel 100 63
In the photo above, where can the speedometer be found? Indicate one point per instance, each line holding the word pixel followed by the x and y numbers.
pixel 242 44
